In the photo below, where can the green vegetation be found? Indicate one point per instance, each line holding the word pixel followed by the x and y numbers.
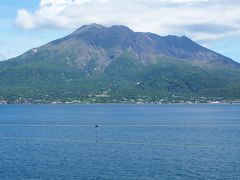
pixel 124 80
pixel 117 65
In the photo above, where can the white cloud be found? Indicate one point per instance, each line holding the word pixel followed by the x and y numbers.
pixel 202 20
pixel 25 19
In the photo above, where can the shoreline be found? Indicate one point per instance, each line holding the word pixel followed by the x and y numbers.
pixel 207 103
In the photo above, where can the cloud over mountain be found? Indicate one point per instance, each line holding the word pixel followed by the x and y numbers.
pixel 202 20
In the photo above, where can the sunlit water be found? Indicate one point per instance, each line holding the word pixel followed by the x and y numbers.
pixel 130 142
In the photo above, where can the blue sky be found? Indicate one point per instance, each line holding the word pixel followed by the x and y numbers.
pixel 16 40
pixel 27 24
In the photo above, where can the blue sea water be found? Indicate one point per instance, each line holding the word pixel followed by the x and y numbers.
pixel 131 141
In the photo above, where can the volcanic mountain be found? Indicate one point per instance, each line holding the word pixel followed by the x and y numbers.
pixel 111 64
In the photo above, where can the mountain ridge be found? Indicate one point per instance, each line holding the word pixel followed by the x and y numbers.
pixel 118 63
pixel 163 46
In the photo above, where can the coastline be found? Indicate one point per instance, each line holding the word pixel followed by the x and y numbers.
pixel 109 103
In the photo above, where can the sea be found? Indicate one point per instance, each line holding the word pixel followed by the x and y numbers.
pixel 120 141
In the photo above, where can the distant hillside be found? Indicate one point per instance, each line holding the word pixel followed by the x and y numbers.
pixel 115 64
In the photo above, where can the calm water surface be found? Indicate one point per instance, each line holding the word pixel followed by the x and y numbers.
pixel 130 142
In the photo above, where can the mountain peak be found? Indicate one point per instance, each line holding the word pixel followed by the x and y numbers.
pixel 95 26
pixel 92 25
pixel 87 27
pixel 121 27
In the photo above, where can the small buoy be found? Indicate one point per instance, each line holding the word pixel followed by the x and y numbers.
pixel 96 126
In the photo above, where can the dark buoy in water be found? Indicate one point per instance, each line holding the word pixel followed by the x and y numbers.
pixel 96 126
